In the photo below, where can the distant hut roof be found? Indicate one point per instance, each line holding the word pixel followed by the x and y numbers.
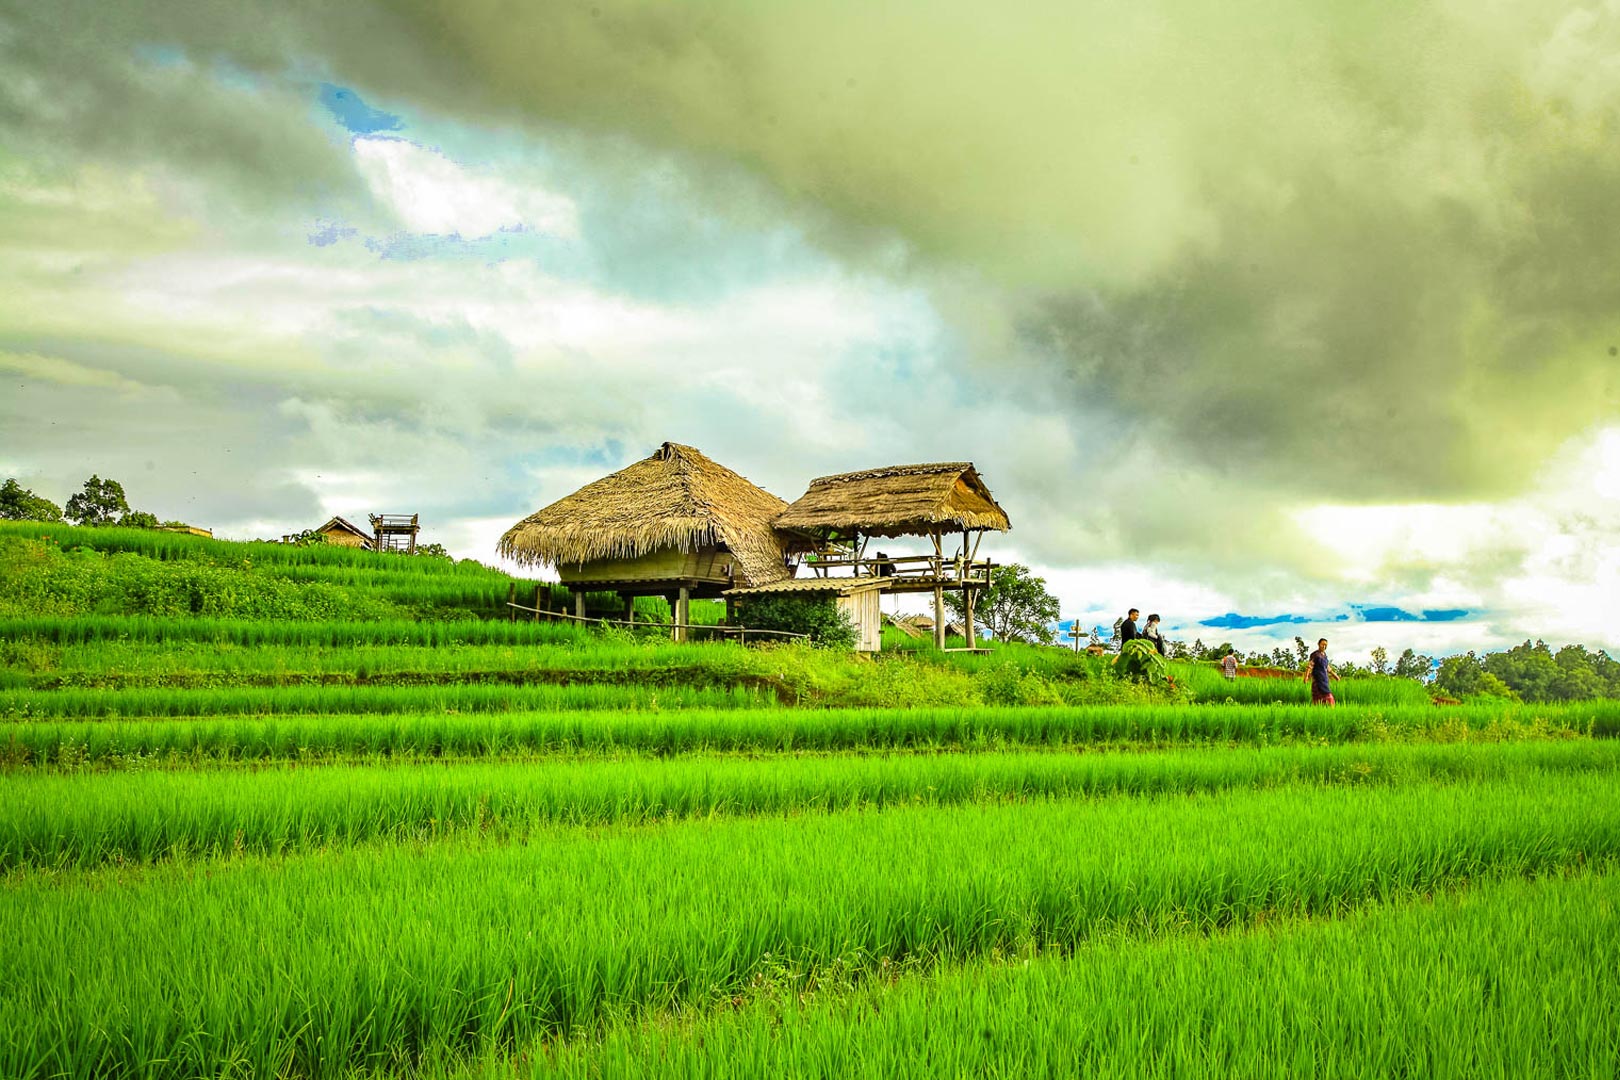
pixel 898 500
pixel 342 524
pixel 677 498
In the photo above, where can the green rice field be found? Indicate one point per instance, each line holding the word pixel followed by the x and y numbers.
pixel 387 835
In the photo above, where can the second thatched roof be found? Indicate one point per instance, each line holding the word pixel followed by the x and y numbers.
pixel 676 498
pixel 897 500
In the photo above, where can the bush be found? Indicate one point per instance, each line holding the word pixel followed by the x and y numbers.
pixel 817 616
pixel 1141 662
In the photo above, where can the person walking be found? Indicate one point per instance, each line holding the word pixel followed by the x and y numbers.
pixel 1229 665
pixel 1154 634
pixel 1318 674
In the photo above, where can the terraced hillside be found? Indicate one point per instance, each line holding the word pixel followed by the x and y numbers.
pixel 385 834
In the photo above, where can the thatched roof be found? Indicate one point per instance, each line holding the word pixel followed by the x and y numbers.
pixel 677 498
pixel 343 524
pixel 900 500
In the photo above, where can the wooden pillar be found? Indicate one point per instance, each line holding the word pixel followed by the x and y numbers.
pixel 629 607
pixel 967 611
pixel 682 610
pixel 542 599
pixel 579 602
pixel 939 615
pixel 511 598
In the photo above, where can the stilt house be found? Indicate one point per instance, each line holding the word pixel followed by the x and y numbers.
pixel 676 524
pixel 940 500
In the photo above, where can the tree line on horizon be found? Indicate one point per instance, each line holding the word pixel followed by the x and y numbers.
pixel 99 502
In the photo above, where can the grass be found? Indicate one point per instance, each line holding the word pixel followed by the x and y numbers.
pixel 167 701
pixel 86 819
pixel 291 737
pixel 1514 979
pixel 312 812
pixel 371 958
pixel 1209 686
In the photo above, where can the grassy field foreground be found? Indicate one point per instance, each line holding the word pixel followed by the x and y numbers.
pixel 381 834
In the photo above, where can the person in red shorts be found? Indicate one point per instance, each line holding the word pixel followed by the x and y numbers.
pixel 1318 674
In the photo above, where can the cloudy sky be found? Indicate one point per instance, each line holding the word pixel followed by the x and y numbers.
pixel 1247 312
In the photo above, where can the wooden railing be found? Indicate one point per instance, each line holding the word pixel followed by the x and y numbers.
pixel 741 632
pixel 903 568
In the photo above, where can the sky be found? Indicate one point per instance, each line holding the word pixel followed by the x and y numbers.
pixel 1273 320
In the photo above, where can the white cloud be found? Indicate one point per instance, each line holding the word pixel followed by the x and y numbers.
pixel 54 369
pixel 435 195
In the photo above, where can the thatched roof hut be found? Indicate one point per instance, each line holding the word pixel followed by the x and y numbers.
pixel 653 520
pixel 898 500
pixel 340 530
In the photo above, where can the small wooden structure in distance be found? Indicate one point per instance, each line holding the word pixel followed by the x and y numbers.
pixel 676 524
pixel 935 500
pixel 342 531
pixel 394 532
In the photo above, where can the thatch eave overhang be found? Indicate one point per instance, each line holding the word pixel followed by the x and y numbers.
pixel 897 500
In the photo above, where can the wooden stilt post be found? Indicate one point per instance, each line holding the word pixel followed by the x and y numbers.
pixel 682 608
pixel 511 598
pixel 967 593
pixel 542 593
pixel 579 603
pixel 939 593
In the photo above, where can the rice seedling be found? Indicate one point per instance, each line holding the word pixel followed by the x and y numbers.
pixel 27 740
pixel 368 958
pixel 300 700
pixel 88 818
pixel 1512 979
pixel 1209 686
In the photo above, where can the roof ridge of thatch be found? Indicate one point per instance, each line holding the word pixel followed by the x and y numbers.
pixel 677 497
pixel 925 468
pixel 897 500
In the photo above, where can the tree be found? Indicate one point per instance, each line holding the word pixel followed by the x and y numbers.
pixel 138 519
pixel 18 503
pixel 1016 606
pixel 1414 665
pixel 101 502
pixel 432 551
pixel 1380 661
pixel 1302 651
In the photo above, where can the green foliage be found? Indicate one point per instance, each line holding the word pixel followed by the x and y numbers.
pixel 138 519
pixel 566 936
pixel 18 503
pixel 432 551
pixel 816 616
pixel 1139 661
pixel 53 820
pixel 1016 606
pixel 100 502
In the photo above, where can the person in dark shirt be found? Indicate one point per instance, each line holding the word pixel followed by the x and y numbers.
pixel 1318 674
pixel 1127 629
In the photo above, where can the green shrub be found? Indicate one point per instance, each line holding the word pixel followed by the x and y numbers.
pixel 817 616
pixel 1141 662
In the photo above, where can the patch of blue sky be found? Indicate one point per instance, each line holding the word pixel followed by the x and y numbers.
pixel 327 233
pixel 1233 621
pixel 350 110
pixel 515 242
pixel 1384 614
pixel 1444 614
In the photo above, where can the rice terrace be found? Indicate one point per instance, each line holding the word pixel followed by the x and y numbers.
pixel 756 540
